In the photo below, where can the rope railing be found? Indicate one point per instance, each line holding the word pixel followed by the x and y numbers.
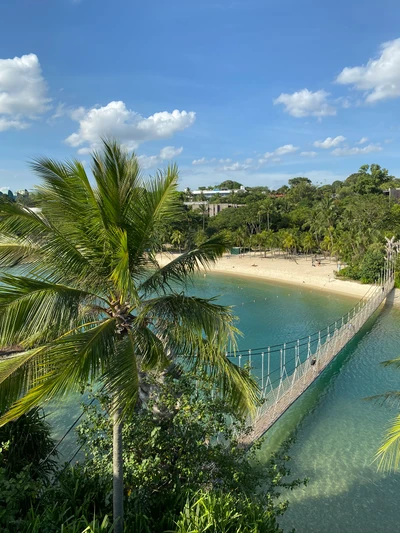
pixel 283 379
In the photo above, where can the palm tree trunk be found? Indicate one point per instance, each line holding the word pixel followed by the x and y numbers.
pixel 118 473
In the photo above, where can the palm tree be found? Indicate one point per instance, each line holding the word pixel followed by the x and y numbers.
pixel 90 302
pixel 289 242
pixel 308 242
pixel 265 209
pixel 177 238
pixel 203 208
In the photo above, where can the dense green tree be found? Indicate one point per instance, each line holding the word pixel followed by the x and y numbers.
pixel 229 184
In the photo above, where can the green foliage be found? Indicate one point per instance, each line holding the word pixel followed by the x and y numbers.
pixel 185 441
pixel 218 512
pixel 349 272
pixel 372 263
pixel 25 444
pixel 182 453
pixel 229 184
pixel 17 493
pixel 27 454
pixel 343 219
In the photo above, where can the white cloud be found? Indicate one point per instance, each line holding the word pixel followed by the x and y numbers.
pixel 115 120
pixel 363 140
pixel 282 150
pixel 235 167
pixel 203 161
pixel 167 153
pixel 23 91
pixel 248 161
pixel 6 124
pixel 308 154
pixel 222 161
pixel 379 78
pixel 286 149
pixel 346 150
pixel 306 103
pixel 330 142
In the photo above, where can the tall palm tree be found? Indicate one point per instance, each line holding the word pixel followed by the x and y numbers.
pixel 308 242
pixel 90 302
pixel 177 238
pixel 204 210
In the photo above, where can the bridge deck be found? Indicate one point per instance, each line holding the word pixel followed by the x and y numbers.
pixel 278 399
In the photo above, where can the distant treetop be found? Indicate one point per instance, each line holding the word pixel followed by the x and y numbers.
pixel 229 184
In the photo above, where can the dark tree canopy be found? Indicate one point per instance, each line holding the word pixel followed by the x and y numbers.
pixel 229 184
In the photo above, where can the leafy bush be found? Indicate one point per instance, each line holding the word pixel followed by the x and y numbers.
pixel 349 272
pixel 219 512
pixel 27 442
pixel 185 440
pixel 372 263
pixel 27 454
pixel 182 456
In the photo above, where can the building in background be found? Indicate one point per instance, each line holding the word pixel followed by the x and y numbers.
pixel 212 209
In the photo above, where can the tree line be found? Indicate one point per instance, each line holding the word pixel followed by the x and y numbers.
pixel 347 219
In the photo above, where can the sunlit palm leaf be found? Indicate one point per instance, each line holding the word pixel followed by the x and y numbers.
pixel 68 363
pixel 182 267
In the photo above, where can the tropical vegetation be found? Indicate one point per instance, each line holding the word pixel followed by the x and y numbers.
pixel 347 219
pixel 86 301
pixel 185 469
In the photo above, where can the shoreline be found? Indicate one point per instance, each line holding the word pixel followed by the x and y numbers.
pixel 299 273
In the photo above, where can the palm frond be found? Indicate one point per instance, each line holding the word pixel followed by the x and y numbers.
pixel 121 275
pixel 65 364
pixel 391 397
pixel 200 316
pixel 151 351
pixel 14 251
pixel 34 310
pixel 121 379
pixel 196 332
pixel 234 384
pixel 392 362
pixel 22 369
pixel 388 454
pixel 181 268
pixel 56 254
pixel 118 182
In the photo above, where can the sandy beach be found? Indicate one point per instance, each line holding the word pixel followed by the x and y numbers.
pixel 298 272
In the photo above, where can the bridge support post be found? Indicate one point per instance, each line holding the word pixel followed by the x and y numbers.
pixel 262 372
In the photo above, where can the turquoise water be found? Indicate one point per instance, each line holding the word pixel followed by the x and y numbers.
pixel 337 431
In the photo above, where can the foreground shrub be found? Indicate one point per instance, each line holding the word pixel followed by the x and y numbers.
pixel 218 512
pixel 186 440
pixel 184 466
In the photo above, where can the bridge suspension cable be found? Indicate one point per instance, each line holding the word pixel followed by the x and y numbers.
pixel 284 377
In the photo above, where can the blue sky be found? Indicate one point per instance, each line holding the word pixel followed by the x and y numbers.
pixel 257 91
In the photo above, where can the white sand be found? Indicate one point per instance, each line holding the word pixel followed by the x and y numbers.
pixel 299 272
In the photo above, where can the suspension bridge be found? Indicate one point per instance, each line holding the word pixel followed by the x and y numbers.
pixel 286 371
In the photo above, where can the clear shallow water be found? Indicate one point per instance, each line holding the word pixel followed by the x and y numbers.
pixel 337 431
